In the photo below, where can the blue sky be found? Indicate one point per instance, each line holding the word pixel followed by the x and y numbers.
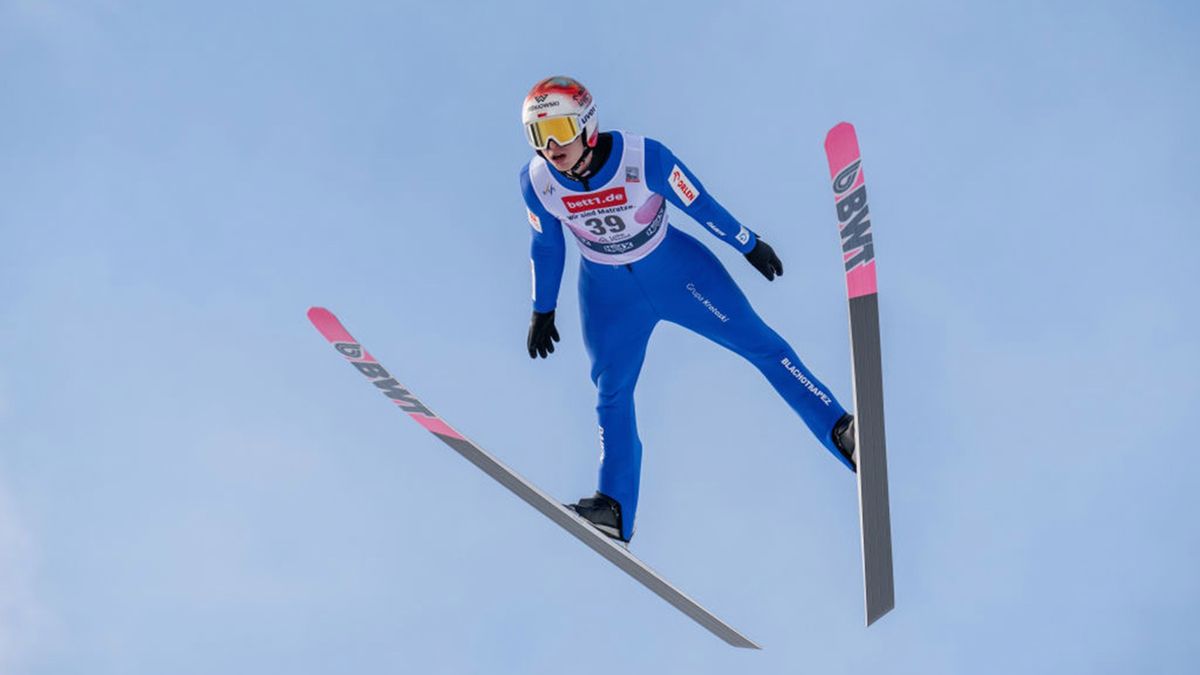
pixel 191 481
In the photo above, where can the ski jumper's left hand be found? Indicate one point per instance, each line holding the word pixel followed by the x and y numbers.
pixel 763 257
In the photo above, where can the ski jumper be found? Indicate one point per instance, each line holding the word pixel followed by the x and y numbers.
pixel 637 270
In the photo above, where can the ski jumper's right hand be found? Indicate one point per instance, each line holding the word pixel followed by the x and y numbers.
pixel 763 257
pixel 542 335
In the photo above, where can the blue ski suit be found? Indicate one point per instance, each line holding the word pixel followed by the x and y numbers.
pixel 635 274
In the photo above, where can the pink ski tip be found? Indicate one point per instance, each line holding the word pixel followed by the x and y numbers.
pixel 841 147
pixel 840 128
pixel 328 325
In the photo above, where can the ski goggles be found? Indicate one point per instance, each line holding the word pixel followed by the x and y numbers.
pixel 562 130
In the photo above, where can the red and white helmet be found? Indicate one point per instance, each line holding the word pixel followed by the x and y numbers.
pixel 559 108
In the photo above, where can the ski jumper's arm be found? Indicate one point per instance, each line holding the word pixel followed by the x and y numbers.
pixel 669 177
pixel 547 250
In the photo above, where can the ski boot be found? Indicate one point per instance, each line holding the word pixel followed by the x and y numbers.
pixel 604 513
pixel 843 439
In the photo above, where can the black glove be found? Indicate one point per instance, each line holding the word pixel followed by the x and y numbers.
pixel 542 334
pixel 763 257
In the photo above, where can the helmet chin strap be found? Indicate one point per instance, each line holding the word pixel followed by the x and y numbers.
pixel 583 159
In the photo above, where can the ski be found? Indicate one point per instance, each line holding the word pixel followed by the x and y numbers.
pixel 858 254
pixel 357 355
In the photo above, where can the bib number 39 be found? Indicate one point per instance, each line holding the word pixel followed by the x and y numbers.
pixel 610 224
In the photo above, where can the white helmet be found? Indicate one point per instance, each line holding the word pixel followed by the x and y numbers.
pixel 559 108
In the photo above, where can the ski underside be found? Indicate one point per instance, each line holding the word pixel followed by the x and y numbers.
pixel 357 355
pixel 858 254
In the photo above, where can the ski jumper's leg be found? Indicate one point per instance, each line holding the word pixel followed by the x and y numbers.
pixel 699 294
pixel 617 321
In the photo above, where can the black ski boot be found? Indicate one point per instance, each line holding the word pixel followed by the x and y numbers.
pixel 843 439
pixel 603 512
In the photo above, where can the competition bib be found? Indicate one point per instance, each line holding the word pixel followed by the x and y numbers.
pixel 616 223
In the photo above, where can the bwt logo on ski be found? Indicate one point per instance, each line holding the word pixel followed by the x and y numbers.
pixel 846 178
pixel 349 350
pixel 610 197
pixel 853 220
pixel 381 378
